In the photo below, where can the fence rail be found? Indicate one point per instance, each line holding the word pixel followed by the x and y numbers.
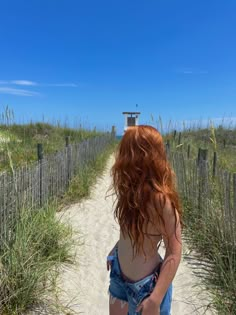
pixel 34 184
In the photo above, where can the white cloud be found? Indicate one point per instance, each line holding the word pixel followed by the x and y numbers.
pixel 61 84
pixel 23 92
pixel 23 82
pixel 187 72
pixel 191 71
pixel 20 92
pixel 32 83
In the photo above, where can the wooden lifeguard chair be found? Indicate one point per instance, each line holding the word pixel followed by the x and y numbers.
pixel 131 119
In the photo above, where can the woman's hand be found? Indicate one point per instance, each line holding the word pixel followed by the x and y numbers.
pixel 149 307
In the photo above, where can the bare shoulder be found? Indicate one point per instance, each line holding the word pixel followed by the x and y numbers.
pixel 168 220
pixel 171 230
pixel 162 204
pixel 169 211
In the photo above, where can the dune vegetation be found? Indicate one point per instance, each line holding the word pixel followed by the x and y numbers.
pixel 38 242
pixel 207 186
pixel 18 142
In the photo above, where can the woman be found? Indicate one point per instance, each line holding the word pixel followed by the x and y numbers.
pixel 148 211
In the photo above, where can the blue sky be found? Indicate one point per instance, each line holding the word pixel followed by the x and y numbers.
pixel 90 60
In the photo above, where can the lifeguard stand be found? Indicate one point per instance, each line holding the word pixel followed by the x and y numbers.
pixel 131 119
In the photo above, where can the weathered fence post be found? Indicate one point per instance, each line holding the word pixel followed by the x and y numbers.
pixel 68 153
pixel 67 141
pixel 179 141
pixel 188 154
pixel 202 155
pixel 113 132
pixel 198 156
pixel 40 161
pixel 174 135
pixel 202 172
pixel 168 148
pixel 234 194
pixel 227 204
pixel 4 213
pixel 214 164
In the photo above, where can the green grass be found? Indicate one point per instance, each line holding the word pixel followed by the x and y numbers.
pixel 40 244
pixel 30 259
pixel 205 234
pixel 82 183
pixel 21 141
pixel 221 140
pixel 206 231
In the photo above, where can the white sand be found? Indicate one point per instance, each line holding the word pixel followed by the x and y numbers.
pixel 85 285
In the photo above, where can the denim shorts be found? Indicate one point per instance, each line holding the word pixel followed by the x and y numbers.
pixel 135 292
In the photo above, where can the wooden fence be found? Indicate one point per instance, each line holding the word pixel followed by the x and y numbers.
pixel 210 190
pixel 33 185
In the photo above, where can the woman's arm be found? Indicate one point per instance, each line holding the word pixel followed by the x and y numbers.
pixel 172 240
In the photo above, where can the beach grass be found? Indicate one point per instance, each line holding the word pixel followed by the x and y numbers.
pixel 221 140
pixel 18 142
pixel 39 242
pixel 207 230
pixel 81 184
pixel 30 259
pixel 218 256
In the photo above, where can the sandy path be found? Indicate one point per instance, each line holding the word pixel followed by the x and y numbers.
pixel 85 285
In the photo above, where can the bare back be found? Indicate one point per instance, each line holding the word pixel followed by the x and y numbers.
pixel 137 268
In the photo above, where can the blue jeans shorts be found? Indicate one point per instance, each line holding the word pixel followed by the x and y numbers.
pixel 135 292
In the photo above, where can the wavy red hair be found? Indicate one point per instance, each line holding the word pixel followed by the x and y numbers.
pixel 142 176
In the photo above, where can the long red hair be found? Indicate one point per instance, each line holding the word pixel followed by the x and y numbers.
pixel 142 176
